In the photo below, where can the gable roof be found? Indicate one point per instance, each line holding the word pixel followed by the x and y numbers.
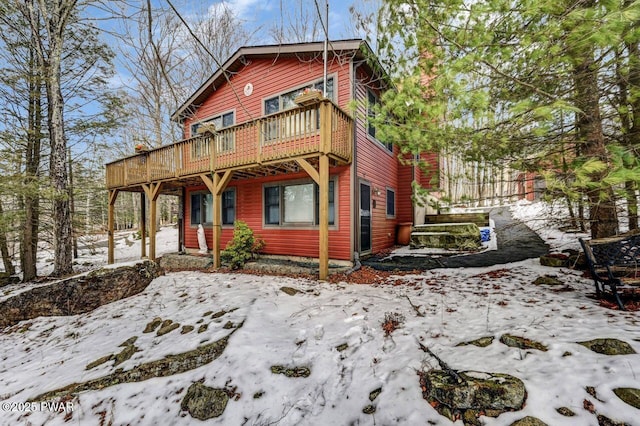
pixel 238 59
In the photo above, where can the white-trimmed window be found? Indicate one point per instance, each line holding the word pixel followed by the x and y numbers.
pixel 225 141
pixel 391 203
pixel 297 124
pixel 296 204
pixel 285 101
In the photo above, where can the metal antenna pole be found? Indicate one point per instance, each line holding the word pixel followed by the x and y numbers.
pixel 326 48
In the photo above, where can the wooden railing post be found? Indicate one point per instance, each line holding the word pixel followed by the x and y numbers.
pixel 259 125
pixel 325 127
pixel 176 160
pixel 147 162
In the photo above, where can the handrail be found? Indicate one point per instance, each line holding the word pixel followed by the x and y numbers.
pixel 321 127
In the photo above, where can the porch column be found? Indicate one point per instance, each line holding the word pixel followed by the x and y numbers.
pixel 152 191
pixel 113 195
pixel 217 186
pixel 323 189
pixel 143 225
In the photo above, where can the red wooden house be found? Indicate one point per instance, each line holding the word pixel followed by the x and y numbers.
pixel 309 176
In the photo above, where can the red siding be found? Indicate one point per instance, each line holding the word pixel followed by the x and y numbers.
pixel 404 204
pixel 281 240
pixel 270 77
pixel 429 173
pixel 379 167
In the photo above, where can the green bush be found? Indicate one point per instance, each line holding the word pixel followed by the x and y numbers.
pixel 242 248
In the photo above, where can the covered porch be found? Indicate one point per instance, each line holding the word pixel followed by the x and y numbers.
pixel 308 139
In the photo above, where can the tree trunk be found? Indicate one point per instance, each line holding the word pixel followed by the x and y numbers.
pixel 62 233
pixel 602 209
pixel 31 225
pixel 633 134
pixel 4 249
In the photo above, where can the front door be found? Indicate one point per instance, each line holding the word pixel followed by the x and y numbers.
pixel 365 217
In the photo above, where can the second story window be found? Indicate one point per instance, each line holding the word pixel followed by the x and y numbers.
pixel 285 100
pixel 225 141
pixel 308 121
pixel 372 101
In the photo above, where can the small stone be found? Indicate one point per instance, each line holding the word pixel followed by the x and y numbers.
pixel 167 329
pixel 258 395
pixel 608 346
pixel 555 261
pixel 342 347
pixel 565 412
pixel 203 328
pixel 479 391
pixel 629 395
pixel 591 391
pixel 291 372
pixel 125 354
pixel 186 329
pixel 228 325
pixel 547 280
pixel 99 361
pixel 166 323
pixel 606 421
pixel 522 342
pixel 203 402
pixel 566 354
pixel 470 417
pixel 369 409
pixel 529 421
pixel 206 314
pixel 218 314
pixel 130 341
pixel 289 290
pixel 151 327
pixel 482 342
pixel 374 394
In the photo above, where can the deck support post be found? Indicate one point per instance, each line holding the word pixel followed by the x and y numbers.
pixel 152 190
pixel 216 186
pixel 113 195
pixel 143 225
pixel 323 189
pixel 321 177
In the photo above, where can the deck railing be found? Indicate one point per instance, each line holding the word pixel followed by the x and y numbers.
pixel 298 132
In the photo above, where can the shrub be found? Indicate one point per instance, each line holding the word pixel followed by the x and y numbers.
pixel 243 247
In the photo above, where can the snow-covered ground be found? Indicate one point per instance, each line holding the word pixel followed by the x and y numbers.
pixel 305 330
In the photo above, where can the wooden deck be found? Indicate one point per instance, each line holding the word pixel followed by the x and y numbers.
pixel 251 147
pixel 306 138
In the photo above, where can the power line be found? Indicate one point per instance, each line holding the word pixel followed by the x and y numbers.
pixel 218 64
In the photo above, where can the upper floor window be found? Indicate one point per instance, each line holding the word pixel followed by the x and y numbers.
pixel 285 100
pixel 372 101
pixel 225 141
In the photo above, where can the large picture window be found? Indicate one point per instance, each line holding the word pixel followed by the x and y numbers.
pixel 202 207
pixel 296 204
